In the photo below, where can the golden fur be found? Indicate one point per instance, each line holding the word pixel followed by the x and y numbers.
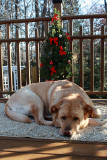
pixel 68 104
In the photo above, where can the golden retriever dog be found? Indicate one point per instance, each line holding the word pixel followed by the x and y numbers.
pixel 68 104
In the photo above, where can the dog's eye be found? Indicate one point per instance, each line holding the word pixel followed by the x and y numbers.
pixel 64 118
pixel 75 118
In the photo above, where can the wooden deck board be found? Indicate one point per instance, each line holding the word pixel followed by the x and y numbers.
pixel 32 149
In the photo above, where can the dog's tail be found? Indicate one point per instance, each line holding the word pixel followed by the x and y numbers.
pixel 16 116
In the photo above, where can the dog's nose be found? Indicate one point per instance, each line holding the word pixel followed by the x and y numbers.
pixel 67 133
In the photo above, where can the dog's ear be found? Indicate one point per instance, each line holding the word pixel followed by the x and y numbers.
pixel 88 110
pixel 56 107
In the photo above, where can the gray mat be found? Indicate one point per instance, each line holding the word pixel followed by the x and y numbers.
pixel 17 129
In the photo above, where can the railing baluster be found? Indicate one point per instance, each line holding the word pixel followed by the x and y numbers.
pixel 27 55
pixel 18 59
pixel 1 67
pixel 92 55
pixel 46 27
pixel 81 60
pixel 37 56
pixel 9 59
pixel 71 48
pixel 102 60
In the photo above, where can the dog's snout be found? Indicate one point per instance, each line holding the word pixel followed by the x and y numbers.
pixel 67 133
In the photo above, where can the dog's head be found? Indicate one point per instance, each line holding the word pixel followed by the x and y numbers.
pixel 70 114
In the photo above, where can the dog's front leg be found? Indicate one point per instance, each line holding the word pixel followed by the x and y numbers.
pixel 38 113
pixel 95 122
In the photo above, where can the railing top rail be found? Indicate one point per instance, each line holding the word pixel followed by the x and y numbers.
pixel 49 18
pixel 84 16
pixel 26 20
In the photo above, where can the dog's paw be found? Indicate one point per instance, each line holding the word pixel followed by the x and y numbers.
pixel 95 122
pixel 96 113
pixel 74 132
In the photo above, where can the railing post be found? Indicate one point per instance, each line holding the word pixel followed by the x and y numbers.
pixel 58 5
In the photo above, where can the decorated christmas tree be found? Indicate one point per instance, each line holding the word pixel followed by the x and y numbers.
pixel 56 57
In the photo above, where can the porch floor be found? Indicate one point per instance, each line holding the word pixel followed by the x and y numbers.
pixel 30 149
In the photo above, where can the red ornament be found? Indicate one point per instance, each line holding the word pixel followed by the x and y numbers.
pixel 53 70
pixel 55 39
pixel 61 52
pixel 51 62
pixel 69 61
pixel 55 18
pixel 68 37
pixel 61 48
pixel 41 65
